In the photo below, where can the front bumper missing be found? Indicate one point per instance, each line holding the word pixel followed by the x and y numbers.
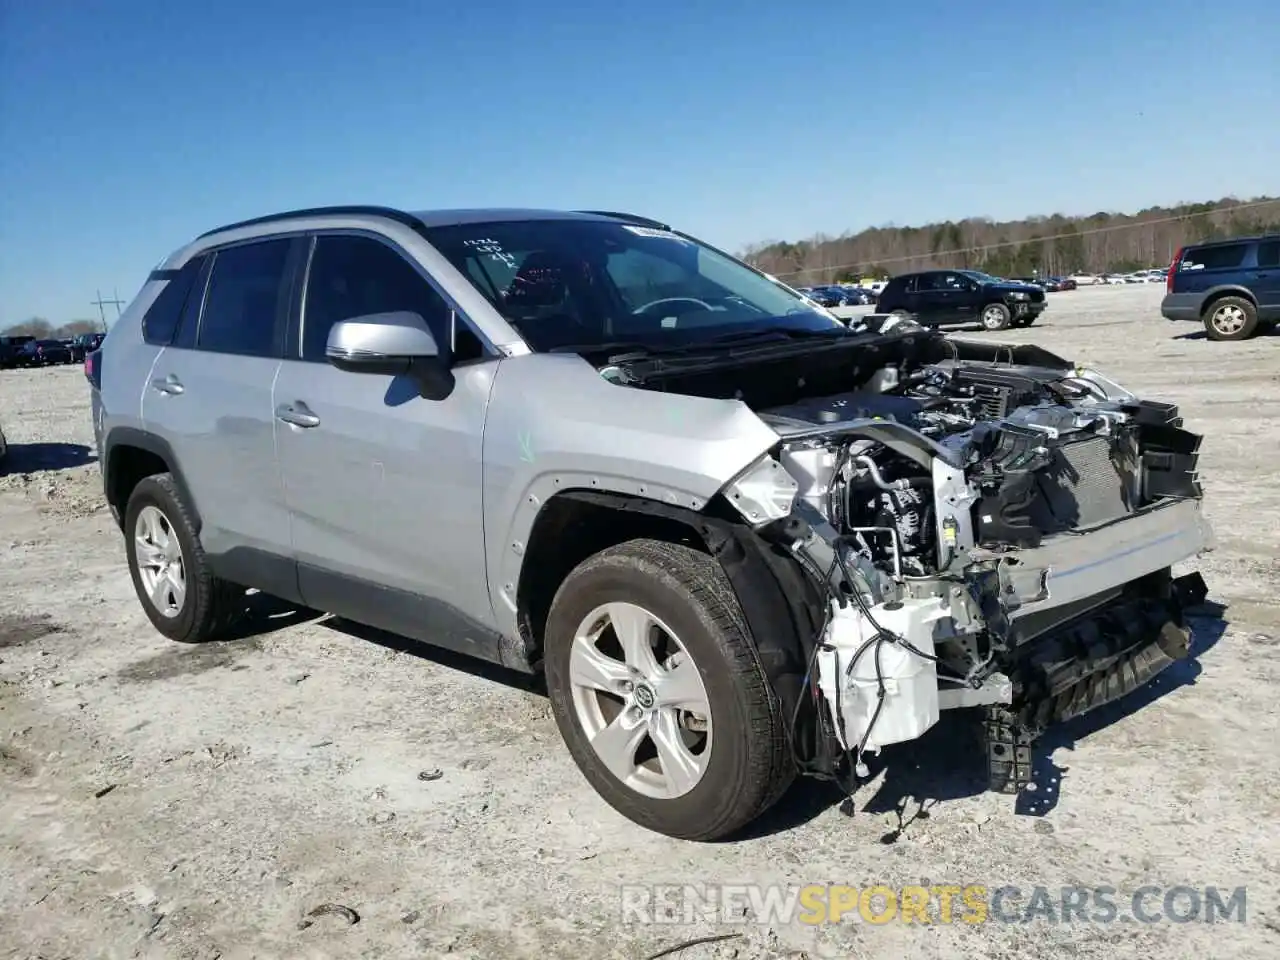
pixel 1090 662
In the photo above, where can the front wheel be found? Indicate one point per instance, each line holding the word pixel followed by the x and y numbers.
pixel 659 694
pixel 996 316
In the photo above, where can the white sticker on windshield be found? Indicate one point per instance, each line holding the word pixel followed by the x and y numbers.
pixel 653 232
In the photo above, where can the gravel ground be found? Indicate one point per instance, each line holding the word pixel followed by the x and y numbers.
pixel 162 801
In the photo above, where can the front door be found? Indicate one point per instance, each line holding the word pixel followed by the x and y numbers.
pixel 939 298
pixel 383 485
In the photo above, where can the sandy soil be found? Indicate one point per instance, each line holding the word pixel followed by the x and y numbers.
pixel 162 801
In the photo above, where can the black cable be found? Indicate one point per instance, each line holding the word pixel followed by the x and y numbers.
pixel 880 692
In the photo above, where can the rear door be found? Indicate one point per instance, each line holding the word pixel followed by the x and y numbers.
pixel 1266 280
pixel 209 398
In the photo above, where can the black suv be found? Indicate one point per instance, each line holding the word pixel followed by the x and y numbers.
pixel 947 297
pixel 11 347
pixel 1232 286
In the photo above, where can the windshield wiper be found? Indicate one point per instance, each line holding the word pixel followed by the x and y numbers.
pixel 792 333
pixel 619 347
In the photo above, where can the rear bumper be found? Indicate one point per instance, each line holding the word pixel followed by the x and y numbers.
pixel 1181 306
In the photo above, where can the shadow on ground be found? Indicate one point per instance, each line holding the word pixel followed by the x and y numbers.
pixel 949 762
pixel 39 457
pixel 1199 334
pixel 438 655
pixel 263 615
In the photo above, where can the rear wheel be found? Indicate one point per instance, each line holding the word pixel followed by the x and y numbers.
pixel 996 316
pixel 1231 318
pixel 659 694
pixel 181 596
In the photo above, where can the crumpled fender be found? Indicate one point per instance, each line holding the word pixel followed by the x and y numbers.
pixel 554 424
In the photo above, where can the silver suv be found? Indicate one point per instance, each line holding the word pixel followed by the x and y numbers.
pixel 738 537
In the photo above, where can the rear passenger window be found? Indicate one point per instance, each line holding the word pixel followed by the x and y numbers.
pixel 1222 257
pixel 246 295
pixel 1269 254
pixel 160 323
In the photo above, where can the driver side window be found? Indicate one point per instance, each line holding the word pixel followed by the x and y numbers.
pixel 352 276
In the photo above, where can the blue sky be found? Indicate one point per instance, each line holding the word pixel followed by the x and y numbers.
pixel 127 126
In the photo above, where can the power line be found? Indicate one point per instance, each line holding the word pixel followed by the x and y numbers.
pixel 100 303
pixel 1017 243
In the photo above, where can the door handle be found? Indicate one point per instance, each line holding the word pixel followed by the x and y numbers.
pixel 297 414
pixel 170 385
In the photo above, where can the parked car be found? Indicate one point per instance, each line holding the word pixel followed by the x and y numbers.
pixel 1231 286
pixel 1086 279
pixel 948 297
pixel 43 353
pixel 84 344
pixel 1064 283
pixel 10 348
pixel 739 539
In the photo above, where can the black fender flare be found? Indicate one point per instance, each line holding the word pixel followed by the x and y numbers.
pixel 117 437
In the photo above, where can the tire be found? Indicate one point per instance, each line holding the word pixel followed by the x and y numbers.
pixel 745 764
pixel 208 607
pixel 995 316
pixel 899 313
pixel 1231 318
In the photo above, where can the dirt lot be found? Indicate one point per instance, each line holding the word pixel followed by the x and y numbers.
pixel 161 801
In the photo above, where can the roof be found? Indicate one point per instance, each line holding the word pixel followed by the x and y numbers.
pixel 426 219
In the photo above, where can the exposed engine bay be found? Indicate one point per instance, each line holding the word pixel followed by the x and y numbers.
pixel 992 525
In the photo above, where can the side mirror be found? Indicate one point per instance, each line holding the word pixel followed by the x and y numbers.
pixel 391 344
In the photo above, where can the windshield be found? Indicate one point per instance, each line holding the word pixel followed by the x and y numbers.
pixel 981 277
pixel 579 283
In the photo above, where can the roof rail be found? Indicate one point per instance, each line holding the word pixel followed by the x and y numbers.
pixel 630 218
pixel 389 213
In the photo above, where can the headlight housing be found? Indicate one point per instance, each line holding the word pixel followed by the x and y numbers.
pixel 1018 295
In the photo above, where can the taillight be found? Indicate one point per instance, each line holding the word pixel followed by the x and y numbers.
pixel 1173 268
pixel 93 368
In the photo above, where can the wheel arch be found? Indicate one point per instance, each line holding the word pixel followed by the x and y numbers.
pixel 781 605
pixel 1219 293
pixel 130 455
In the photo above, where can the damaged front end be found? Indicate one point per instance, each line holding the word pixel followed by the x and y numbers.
pixel 992 527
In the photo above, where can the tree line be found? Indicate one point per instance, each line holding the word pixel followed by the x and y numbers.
pixel 42 329
pixel 1048 246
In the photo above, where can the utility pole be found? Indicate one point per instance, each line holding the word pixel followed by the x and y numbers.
pixel 100 303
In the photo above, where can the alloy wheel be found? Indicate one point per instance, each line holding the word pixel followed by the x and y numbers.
pixel 1228 319
pixel 161 566
pixel 640 700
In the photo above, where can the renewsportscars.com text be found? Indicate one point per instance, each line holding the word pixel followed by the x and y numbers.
pixel 971 903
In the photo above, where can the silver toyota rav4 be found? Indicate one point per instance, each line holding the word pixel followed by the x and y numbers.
pixel 740 538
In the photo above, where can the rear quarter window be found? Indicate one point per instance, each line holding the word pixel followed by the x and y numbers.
pixel 1222 257
pixel 160 322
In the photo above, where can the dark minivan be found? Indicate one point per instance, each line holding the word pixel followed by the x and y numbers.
pixel 949 297
pixel 1231 286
